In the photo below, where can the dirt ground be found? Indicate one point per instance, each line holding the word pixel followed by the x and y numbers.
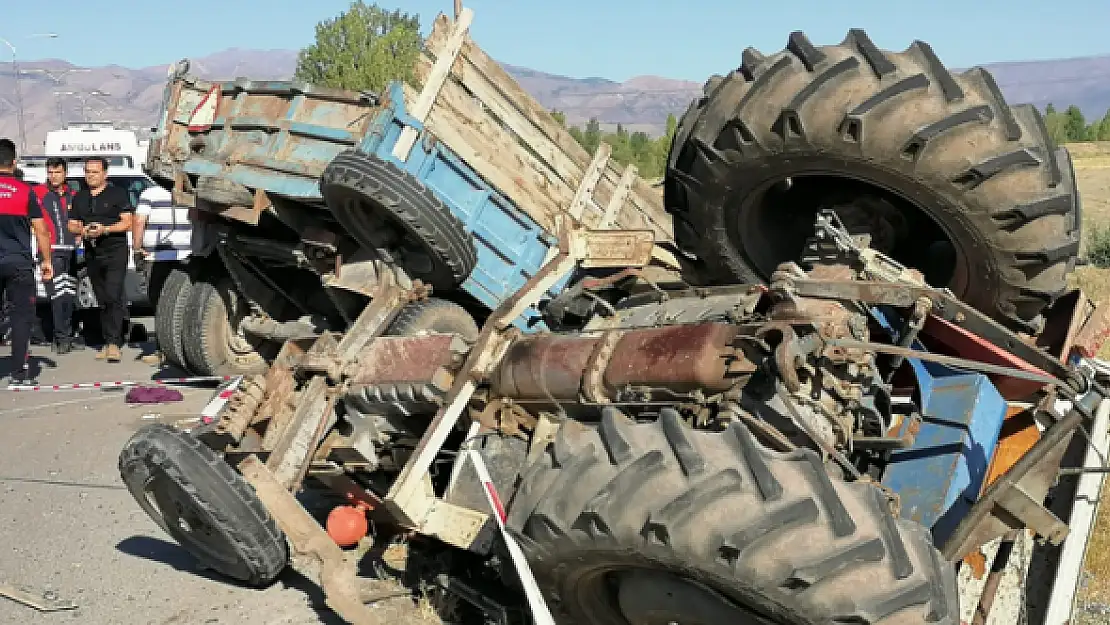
pixel 1092 163
pixel 69 527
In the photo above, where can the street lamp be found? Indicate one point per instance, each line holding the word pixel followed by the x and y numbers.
pixel 84 98
pixel 58 76
pixel 18 93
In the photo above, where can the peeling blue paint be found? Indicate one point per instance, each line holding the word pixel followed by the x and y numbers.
pixel 279 136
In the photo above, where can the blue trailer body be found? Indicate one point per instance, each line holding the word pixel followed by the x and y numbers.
pixel 278 136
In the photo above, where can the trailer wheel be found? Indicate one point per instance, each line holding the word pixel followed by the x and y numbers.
pixel 383 207
pixel 169 316
pixel 657 523
pixel 208 508
pixel 215 345
pixel 934 166
pixel 434 315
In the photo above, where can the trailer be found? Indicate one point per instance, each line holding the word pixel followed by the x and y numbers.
pixel 837 438
pixel 301 193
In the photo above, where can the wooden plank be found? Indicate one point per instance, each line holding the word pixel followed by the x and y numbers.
pixel 458 121
pixel 504 161
pixel 291 452
pixel 549 152
pixel 551 143
pixel 524 103
pixel 550 161
pixel 434 82
pixel 584 196
pixel 616 203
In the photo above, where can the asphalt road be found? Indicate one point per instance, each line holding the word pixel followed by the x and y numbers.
pixel 69 527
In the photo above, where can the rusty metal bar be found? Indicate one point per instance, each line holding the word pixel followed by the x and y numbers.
pixel 994 578
pixel 338 575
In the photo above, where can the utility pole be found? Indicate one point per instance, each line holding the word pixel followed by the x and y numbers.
pixel 19 91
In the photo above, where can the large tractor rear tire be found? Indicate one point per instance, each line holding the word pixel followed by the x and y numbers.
pixel 935 166
pixel 656 523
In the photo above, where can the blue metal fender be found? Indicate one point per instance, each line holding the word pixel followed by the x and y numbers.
pixel 940 477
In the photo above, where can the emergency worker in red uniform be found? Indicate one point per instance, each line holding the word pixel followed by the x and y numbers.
pixel 19 215
pixel 55 198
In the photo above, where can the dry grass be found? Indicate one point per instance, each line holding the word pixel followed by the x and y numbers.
pixel 1092 163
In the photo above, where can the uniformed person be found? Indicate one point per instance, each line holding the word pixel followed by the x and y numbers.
pixel 55 199
pixel 19 216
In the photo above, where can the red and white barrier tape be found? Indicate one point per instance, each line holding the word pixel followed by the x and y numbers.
pixel 23 388
pixel 210 411
pixel 540 614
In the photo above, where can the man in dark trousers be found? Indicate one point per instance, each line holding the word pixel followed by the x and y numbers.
pixel 55 198
pixel 19 215
pixel 102 214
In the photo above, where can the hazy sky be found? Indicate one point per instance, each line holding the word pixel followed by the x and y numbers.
pixel 614 39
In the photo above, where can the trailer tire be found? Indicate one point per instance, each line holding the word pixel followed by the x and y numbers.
pixel 935 165
pixel 434 315
pixel 711 527
pixel 169 317
pixel 372 197
pixel 185 487
pixel 215 346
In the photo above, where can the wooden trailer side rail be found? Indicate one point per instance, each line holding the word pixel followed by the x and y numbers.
pixel 512 141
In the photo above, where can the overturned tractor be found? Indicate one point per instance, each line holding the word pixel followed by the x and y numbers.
pixel 728 453
pixel 803 427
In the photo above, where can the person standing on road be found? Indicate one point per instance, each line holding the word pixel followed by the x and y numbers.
pixel 102 216
pixel 55 198
pixel 19 216
pixel 152 200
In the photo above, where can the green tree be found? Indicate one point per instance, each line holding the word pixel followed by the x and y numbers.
pixel 1074 124
pixel 362 49
pixel 1103 130
pixel 560 117
pixel 672 126
pixel 1056 124
pixel 591 138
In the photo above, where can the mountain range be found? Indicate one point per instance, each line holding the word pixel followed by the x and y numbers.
pixel 52 90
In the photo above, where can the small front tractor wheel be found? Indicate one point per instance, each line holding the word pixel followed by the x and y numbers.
pixel 657 523
pixel 208 508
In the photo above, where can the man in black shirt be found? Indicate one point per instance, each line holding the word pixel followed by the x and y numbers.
pixel 102 216
pixel 19 214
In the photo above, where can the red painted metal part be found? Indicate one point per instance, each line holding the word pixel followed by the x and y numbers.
pixel 947 338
